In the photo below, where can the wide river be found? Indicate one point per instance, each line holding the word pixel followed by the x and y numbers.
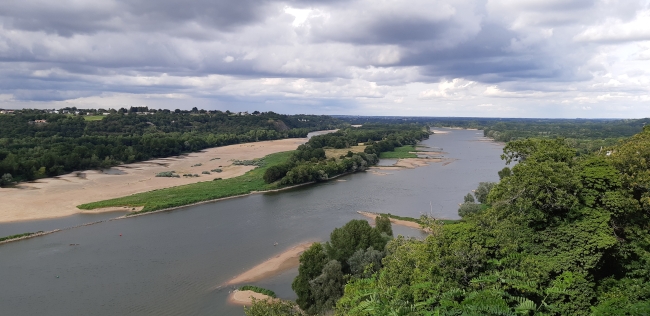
pixel 172 263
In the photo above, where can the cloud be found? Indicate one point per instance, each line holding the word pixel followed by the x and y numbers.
pixel 433 57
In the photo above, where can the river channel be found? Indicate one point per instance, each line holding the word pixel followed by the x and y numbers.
pixel 171 263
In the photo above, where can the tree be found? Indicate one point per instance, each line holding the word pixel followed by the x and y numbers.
pixel 312 262
pixel 483 190
pixel 273 307
pixel 327 288
pixel 469 198
pixel 6 179
pixel 382 223
pixel 355 235
pixel 364 263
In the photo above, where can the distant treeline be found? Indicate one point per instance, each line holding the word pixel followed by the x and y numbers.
pixel 36 143
pixel 585 135
pixel 309 162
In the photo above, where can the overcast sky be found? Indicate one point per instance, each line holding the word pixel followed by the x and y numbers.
pixel 494 58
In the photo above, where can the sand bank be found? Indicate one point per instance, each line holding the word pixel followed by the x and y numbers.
pixel 282 262
pixel 245 297
pixel 59 196
pixel 400 222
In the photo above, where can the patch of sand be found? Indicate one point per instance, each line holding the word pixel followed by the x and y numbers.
pixel 439 132
pixel 59 196
pixel 400 222
pixel 245 297
pixel 411 163
pixel 282 262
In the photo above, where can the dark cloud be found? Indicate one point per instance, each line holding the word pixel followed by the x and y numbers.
pixel 326 55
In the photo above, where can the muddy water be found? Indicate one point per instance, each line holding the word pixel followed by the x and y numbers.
pixel 172 263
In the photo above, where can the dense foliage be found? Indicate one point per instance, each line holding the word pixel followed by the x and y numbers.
pixel 564 235
pixel 309 162
pixel 354 251
pixel 35 143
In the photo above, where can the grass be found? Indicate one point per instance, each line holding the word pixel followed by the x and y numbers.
pixel 18 236
pixel 257 289
pixel 336 153
pixel 399 152
pixel 94 117
pixel 196 192
pixel 417 220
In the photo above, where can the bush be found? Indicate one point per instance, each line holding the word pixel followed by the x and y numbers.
pixel 257 289
pixel 216 170
pixel 205 172
pixel 167 174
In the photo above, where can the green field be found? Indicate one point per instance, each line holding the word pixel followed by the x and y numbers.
pixel 197 192
pixel 399 152
pixel 93 117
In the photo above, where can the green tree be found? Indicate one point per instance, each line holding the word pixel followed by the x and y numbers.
pixel 483 190
pixel 382 223
pixel 355 235
pixel 312 262
pixel 272 307
pixel 327 288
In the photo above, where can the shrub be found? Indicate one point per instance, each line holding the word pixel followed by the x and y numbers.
pixel 257 289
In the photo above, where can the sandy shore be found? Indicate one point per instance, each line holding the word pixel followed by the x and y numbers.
pixel 245 297
pixel 282 262
pixel 400 222
pixel 59 196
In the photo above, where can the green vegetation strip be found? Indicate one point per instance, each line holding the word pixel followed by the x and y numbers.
pixel 17 236
pixel 416 220
pixel 399 153
pixel 257 289
pixel 197 192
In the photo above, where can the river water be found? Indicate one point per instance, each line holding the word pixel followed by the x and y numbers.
pixel 172 263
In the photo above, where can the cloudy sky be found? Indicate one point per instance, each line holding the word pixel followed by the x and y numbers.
pixel 493 58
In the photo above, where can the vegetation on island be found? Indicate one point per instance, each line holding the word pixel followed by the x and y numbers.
pixel 41 143
pixel 275 171
pixel 258 289
pixel 400 153
pixel 197 192
pixel 310 163
pixel 18 236
pixel 560 234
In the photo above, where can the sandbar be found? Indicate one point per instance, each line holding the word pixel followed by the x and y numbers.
pixel 400 222
pixel 289 259
pixel 59 196
pixel 245 297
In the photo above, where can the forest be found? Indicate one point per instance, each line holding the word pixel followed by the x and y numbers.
pixel 36 143
pixel 561 233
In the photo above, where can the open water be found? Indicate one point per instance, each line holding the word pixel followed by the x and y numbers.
pixel 172 263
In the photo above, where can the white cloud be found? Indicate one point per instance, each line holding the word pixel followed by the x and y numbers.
pixel 463 57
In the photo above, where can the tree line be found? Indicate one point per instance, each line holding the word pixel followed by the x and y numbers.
pixel 36 143
pixel 309 162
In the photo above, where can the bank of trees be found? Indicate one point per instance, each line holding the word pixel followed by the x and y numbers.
pixel 31 149
pixel 564 235
pixel 309 162
pixel 561 234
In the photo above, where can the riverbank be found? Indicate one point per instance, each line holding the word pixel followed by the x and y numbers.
pixel 59 196
pixel 289 259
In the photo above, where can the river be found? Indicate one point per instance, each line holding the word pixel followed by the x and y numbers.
pixel 171 263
